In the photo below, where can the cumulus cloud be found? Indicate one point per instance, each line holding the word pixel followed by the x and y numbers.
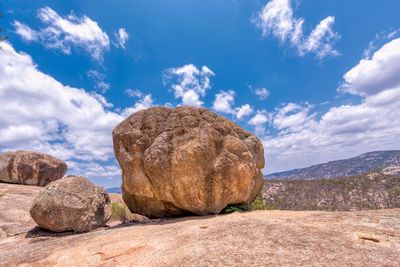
pixel 121 37
pixel 189 83
pixel 39 113
pixel 144 102
pixel 262 93
pixel 243 111
pixel 277 19
pixel 343 131
pixel 292 117
pixel 375 74
pixel 259 119
pixel 224 102
pixel 54 112
pixel 94 169
pixel 303 138
pixel 65 33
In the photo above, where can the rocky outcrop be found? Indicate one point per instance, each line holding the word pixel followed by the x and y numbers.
pixel 256 238
pixel 30 168
pixel 186 160
pixel 73 203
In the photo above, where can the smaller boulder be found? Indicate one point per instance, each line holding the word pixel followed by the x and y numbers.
pixel 71 204
pixel 30 168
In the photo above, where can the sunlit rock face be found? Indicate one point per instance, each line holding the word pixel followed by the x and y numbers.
pixel 71 204
pixel 186 160
pixel 30 168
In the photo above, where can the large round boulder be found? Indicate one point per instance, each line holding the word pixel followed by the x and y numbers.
pixel 71 204
pixel 30 168
pixel 186 160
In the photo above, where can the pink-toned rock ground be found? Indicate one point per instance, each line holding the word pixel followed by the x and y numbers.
pixel 257 238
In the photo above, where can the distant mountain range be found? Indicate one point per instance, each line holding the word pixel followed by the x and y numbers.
pixel 342 168
pixel 114 190
pixel 378 189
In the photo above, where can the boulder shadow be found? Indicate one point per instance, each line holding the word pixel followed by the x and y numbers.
pixel 41 232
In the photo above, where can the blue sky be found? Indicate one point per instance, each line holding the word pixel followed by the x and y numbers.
pixel 315 80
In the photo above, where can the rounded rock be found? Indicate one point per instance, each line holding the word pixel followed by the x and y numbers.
pixel 71 204
pixel 186 160
pixel 30 168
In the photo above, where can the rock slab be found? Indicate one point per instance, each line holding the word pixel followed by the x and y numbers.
pixel 30 168
pixel 256 238
pixel 71 204
pixel 186 160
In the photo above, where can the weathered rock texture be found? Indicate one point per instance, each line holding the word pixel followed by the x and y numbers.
pixel 30 168
pixel 14 207
pixel 256 238
pixel 186 160
pixel 16 201
pixel 73 203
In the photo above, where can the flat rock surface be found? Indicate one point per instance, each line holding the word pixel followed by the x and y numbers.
pixel 14 207
pixel 257 238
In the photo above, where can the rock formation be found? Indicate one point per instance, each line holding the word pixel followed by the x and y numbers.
pixel 257 238
pixel 73 203
pixel 186 160
pixel 30 168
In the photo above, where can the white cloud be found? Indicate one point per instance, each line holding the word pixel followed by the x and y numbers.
pixel 223 102
pixel 277 19
pixel 25 31
pixel 292 117
pixel 133 93
pixel 376 74
pixel 94 169
pixel 101 99
pixel 380 38
pixel 243 111
pixel 304 139
pixel 259 119
pixel 393 34
pixel 343 131
pixel 122 36
pixel 39 113
pixel 145 102
pixel 64 33
pixel 98 78
pixel 262 93
pixel 55 113
pixel 321 40
pixel 189 83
